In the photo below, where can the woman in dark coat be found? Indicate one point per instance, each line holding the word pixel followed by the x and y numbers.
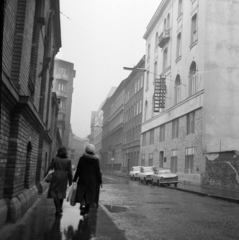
pixel 89 180
pixel 61 175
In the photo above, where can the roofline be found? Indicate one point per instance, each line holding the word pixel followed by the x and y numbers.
pixel 155 17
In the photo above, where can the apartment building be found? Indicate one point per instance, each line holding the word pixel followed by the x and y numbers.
pixel 194 49
pixel 133 103
pixel 31 39
pixel 112 133
pixel 64 75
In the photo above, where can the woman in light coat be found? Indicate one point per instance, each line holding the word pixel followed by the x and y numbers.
pixel 89 179
pixel 61 175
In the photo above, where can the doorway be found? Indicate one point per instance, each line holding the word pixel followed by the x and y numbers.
pixel 161 158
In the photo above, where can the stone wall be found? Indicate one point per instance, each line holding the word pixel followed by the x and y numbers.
pixel 222 170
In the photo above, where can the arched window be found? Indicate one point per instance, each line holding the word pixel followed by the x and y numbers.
pixel 145 110
pixel 165 24
pixel 27 177
pixel 46 163
pixel 156 40
pixel 152 115
pixel 177 89
pixel 168 21
pixel 193 79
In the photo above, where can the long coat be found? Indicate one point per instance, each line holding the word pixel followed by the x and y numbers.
pixel 89 179
pixel 62 173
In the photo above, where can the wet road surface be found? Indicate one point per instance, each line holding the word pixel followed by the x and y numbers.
pixel 130 210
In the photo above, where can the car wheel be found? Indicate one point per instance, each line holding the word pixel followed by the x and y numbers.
pixel 130 177
pixel 175 184
pixel 133 178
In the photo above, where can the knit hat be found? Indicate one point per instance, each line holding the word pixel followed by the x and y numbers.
pixel 90 148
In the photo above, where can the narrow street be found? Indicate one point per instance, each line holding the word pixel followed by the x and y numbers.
pixel 130 210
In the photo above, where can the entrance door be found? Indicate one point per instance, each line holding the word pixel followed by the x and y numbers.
pixel 161 157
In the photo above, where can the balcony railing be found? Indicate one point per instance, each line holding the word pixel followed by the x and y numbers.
pixel 62 76
pixel 164 38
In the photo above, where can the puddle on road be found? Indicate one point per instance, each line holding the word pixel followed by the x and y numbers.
pixel 115 209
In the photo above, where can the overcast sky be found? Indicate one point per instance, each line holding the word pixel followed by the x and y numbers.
pixel 100 38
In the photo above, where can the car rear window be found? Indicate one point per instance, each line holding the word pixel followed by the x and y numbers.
pixel 136 168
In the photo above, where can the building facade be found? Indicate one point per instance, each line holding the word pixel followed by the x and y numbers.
pixel 64 75
pixel 133 104
pixel 190 45
pixel 31 39
pixel 97 130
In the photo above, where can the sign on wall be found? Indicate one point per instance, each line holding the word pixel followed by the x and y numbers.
pixel 159 93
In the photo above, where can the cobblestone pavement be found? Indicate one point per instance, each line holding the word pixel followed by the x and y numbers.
pixel 148 212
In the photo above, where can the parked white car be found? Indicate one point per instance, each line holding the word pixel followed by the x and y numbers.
pixel 164 176
pixel 145 174
pixel 134 172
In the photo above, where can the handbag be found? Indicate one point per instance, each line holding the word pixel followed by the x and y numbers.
pixel 49 176
pixel 73 195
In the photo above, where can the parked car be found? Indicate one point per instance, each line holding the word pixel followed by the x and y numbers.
pixel 134 172
pixel 145 174
pixel 164 176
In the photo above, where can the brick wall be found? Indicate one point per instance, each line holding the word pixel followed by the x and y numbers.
pixel 8 32
pixel 183 141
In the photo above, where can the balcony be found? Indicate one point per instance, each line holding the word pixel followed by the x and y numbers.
pixel 62 76
pixel 61 93
pixel 164 38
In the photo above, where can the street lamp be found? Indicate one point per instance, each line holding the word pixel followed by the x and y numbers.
pixel 135 69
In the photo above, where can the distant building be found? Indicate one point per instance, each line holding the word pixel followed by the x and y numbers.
pixel 64 75
pixel 112 136
pixel 192 47
pixel 133 102
pixel 96 130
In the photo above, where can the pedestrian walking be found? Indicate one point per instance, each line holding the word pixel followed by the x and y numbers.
pixel 61 175
pixel 89 179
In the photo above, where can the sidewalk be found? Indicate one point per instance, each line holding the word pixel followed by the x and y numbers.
pixel 227 195
pixel 40 223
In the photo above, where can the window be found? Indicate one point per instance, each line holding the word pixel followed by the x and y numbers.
pixel 165 58
pixel 144 139
pixel 148 51
pixel 145 110
pixel 180 9
pixel 189 159
pixel 156 40
pixel 151 138
pixel 152 112
pixel 151 159
pixel 179 45
pixel 190 122
pixel 193 83
pixel 142 81
pixel 143 160
pixel 155 70
pixel 194 29
pixel 165 24
pixel 168 21
pixel 177 89
pixel 140 106
pixel 147 81
pixel 162 133
pixel 175 128
pixel 136 87
pixel 174 161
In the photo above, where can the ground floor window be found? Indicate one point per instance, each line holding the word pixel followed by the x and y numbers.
pixel 189 160
pixel 151 159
